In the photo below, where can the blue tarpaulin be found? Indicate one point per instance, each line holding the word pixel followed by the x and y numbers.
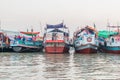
pixel 55 26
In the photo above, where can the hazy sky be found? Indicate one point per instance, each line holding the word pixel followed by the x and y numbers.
pixel 18 15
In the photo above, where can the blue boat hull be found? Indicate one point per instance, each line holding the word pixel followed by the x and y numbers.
pixel 109 49
pixel 19 46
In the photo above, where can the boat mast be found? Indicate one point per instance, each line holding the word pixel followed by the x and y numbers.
pixel 41 28
pixel 108 25
pixel 94 25
pixel 118 27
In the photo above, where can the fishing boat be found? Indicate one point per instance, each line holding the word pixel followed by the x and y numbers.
pixel 27 41
pixel 85 40
pixel 109 41
pixel 4 42
pixel 56 38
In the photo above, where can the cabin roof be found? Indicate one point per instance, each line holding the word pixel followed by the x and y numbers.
pixel 107 34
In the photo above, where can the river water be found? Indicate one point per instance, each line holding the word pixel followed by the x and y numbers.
pixel 41 66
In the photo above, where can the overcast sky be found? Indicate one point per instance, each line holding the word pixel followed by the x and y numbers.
pixel 18 15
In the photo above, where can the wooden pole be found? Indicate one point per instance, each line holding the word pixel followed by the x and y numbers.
pixel 118 27
pixel 41 29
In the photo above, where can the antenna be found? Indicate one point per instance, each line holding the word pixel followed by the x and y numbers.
pixel 0 24
pixel 94 25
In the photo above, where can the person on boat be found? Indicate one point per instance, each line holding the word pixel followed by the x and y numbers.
pixel 18 37
pixel 23 39
pixel 15 37
pixel 1 37
pixel 4 38
pixel 7 41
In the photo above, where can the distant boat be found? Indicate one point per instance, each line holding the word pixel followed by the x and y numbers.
pixel 4 42
pixel 109 41
pixel 56 39
pixel 85 40
pixel 27 41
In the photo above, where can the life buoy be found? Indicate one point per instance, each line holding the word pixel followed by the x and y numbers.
pixel 89 39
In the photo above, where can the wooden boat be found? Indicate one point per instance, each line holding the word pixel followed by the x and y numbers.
pixel 85 40
pixel 56 39
pixel 26 41
pixel 109 41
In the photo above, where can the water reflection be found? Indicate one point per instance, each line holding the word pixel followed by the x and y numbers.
pixel 56 66
pixel 40 66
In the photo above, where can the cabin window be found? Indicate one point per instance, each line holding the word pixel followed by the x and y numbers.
pixel 50 44
pixel 59 44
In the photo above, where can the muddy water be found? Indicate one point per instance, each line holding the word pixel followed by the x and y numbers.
pixel 41 66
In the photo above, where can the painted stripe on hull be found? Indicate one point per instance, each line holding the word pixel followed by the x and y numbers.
pixel 86 49
pixel 27 46
pixel 56 50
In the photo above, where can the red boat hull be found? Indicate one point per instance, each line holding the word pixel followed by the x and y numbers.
pixel 56 50
pixel 87 50
pixel 111 51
